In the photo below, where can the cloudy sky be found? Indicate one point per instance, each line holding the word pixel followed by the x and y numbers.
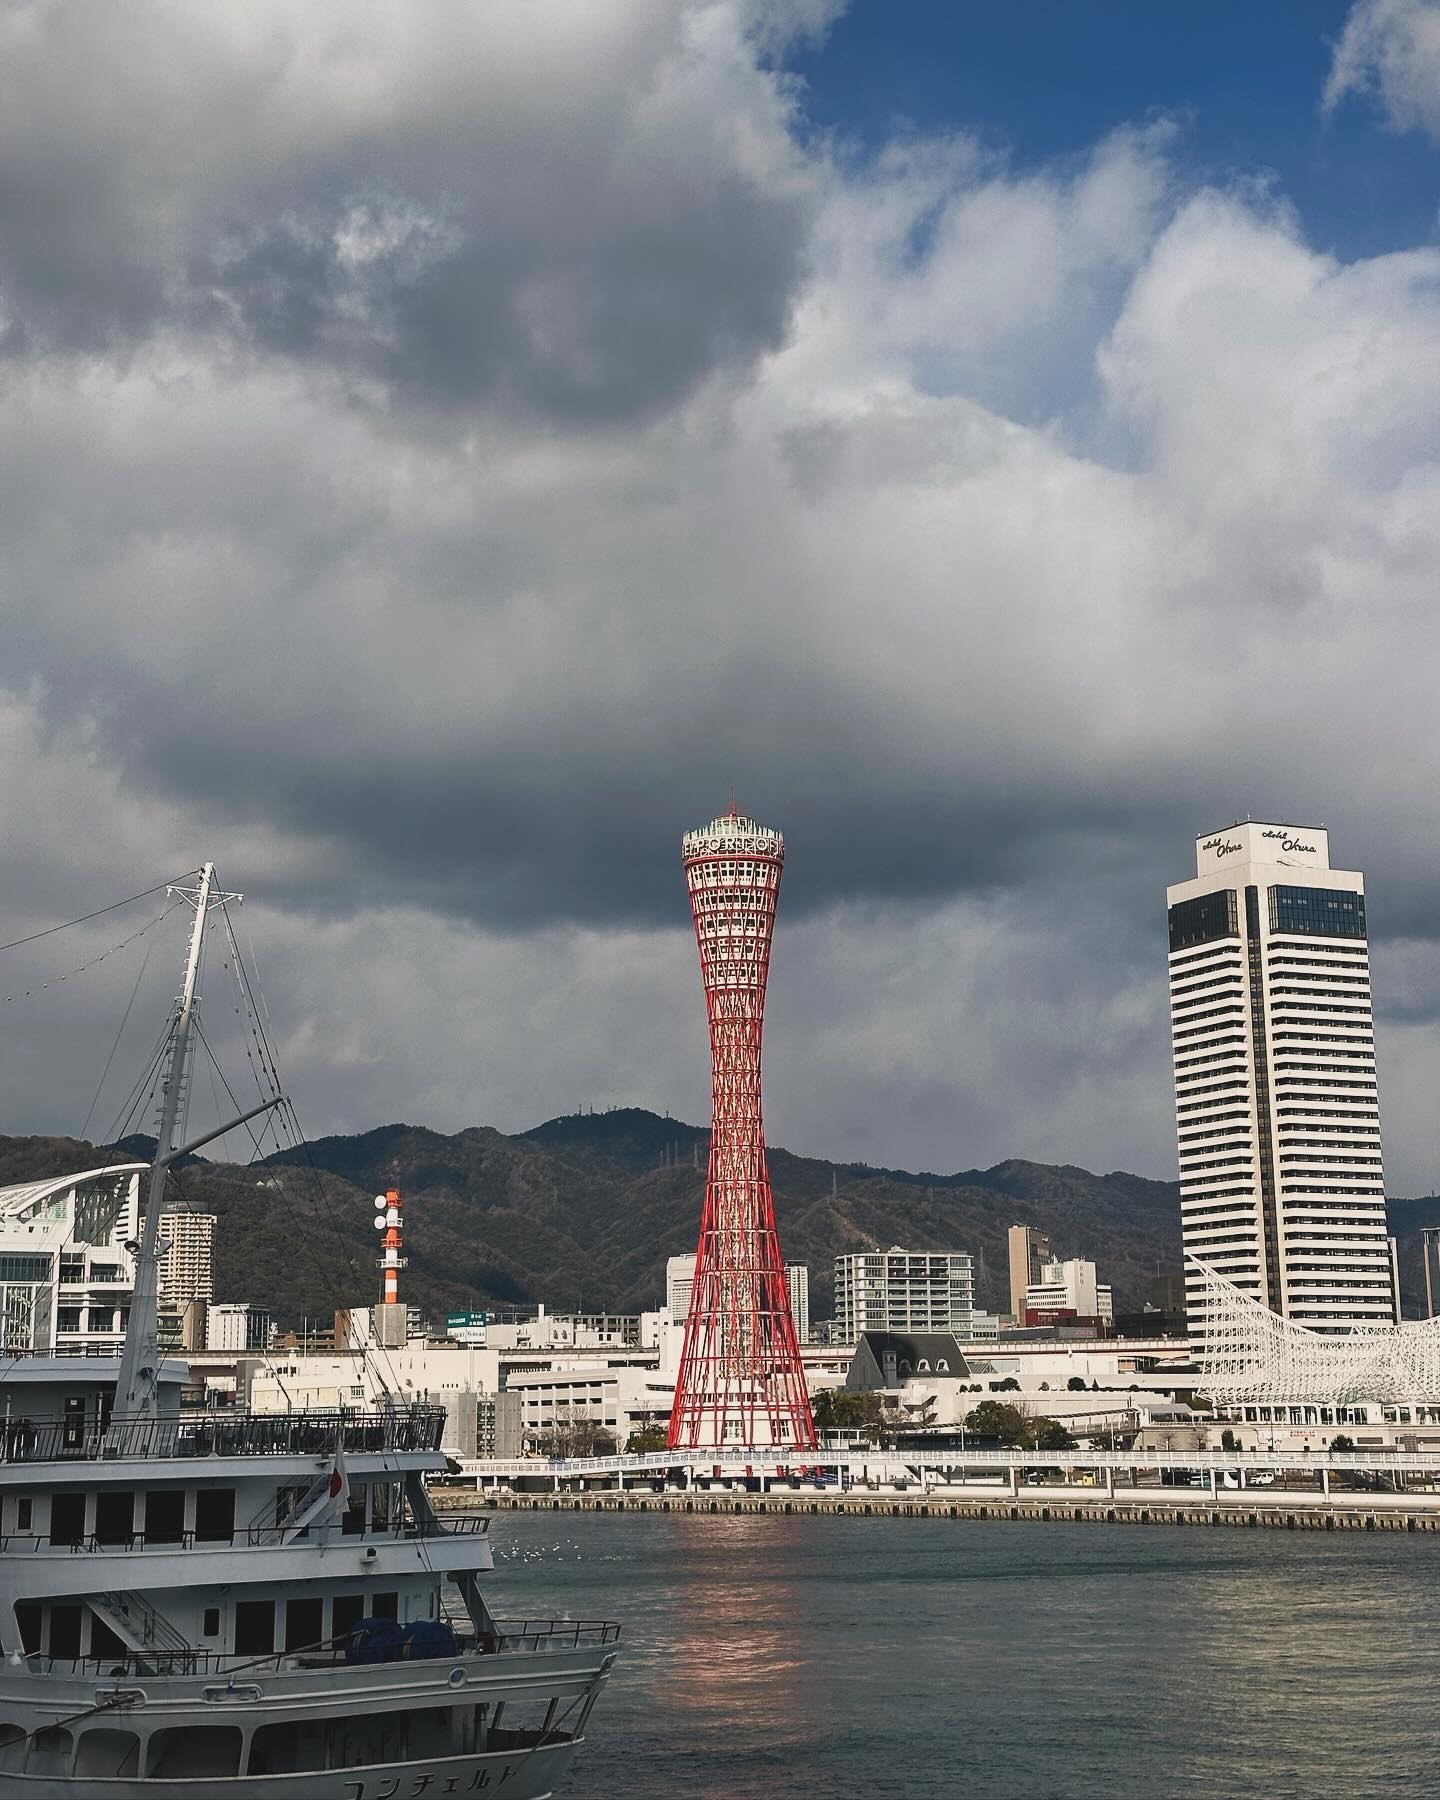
pixel 443 447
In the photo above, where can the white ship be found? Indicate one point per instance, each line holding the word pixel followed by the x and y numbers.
pixel 228 1607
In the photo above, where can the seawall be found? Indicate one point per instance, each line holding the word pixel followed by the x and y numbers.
pixel 1301 1514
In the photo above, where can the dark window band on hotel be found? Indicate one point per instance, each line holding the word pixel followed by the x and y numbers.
pixel 1327 912
pixel 1260 1057
pixel 1198 921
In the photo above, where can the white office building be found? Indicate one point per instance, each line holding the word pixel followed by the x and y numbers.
pixel 1282 1190
pixel 680 1280
pixel 1071 1287
pixel 797 1277
pixel 236 1325
pixel 903 1291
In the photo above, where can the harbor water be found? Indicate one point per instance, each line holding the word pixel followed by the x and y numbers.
pixel 815 1658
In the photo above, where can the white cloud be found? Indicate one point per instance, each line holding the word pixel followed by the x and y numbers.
pixel 1391 48
pixel 1041 519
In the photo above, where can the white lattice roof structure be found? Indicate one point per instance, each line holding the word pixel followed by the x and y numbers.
pixel 1252 1353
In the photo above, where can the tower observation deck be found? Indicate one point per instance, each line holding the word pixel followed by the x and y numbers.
pixel 741 1383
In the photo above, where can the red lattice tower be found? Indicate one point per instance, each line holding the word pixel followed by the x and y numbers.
pixel 741 1382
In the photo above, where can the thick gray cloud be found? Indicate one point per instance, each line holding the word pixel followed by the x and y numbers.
pixel 434 465
pixel 571 210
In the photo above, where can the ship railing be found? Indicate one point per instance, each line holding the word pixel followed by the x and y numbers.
pixel 416 1428
pixel 21 1543
pixel 444 1525
pixel 554 1634
pixel 532 1635
pixel 167 1663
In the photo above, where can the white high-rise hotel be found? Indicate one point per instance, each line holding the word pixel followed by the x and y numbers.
pixel 1277 1109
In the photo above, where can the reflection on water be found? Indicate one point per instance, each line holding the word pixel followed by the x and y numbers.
pixel 912 1659
pixel 736 1649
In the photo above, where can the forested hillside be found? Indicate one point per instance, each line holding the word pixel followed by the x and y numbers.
pixel 582 1212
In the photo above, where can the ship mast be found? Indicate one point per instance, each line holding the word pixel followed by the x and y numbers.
pixel 136 1386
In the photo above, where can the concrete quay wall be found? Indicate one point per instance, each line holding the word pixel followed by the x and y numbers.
pixel 1286 1513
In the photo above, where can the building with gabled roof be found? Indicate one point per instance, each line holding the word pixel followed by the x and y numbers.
pixel 889 1359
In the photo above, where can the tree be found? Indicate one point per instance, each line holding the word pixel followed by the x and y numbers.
pixel 650 1437
pixel 836 1410
pixel 1076 1384
pixel 574 1434
pixel 1228 1440
pixel 998 1422
pixel 1341 1442
pixel 1047 1434
pixel 1008 1386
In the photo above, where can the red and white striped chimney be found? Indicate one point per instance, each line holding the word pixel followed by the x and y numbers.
pixel 390 1218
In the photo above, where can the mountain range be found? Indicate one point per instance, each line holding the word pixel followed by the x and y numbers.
pixel 582 1211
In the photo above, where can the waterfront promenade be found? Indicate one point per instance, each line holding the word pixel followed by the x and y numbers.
pixel 1358 1490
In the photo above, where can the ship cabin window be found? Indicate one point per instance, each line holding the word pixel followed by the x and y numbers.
pixel 254 1627
pixel 65 1630
pixel 107 1752
pixel 304 1624
pixel 384 1502
pixel 385 1606
pixel 288 1502
pixel 165 1516
pixel 353 1522
pixel 13 1740
pixel 24 1512
pixel 67 1516
pixel 214 1515
pixel 28 1617
pixel 346 1610
pixel 50 1752
pixel 114 1516
pixel 210 1622
pixel 103 1641
pixel 190 1751
pixel 73 1437
pixel 351 1742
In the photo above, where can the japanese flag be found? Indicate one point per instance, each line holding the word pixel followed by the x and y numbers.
pixel 330 1502
pixel 337 1494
